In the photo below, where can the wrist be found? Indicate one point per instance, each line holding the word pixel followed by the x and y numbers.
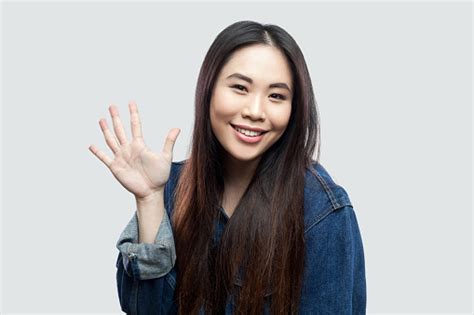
pixel 151 198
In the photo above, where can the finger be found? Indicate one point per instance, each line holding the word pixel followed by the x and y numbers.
pixel 170 140
pixel 135 121
pixel 118 127
pixel 101 155
pixel 109 136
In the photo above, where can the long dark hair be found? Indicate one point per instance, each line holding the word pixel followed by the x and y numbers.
pixel 261 252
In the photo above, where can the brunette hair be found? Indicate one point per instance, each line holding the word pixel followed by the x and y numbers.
pixel 261 252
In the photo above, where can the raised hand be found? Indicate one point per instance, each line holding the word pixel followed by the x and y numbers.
pixel 141 171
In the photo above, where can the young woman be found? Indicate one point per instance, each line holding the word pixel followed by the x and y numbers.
pixel 249 223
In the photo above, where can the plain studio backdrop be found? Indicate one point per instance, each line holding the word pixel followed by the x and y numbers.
pixel 393 83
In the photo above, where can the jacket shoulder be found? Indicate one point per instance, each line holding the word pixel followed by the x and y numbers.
pixel 322 195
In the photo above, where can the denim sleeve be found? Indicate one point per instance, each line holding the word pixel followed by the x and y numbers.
pixel 336 272
pixel 147 261
pixel 359 291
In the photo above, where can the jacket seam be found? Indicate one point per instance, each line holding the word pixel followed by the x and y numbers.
pixel 324 214
pixel 327 190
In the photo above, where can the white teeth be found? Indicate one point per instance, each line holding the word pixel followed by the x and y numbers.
pixel 248 132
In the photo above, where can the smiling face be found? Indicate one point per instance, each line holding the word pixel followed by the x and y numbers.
pixel 254 89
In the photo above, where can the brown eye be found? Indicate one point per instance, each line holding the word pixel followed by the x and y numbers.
pixel 238 86
pixel 279 96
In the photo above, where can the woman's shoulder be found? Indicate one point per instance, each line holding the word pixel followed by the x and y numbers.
pixel 322 195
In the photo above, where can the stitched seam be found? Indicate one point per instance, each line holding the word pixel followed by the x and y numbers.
pixel 328 190
pixel 319 218
pixel 335 204
pixel 324 214
pixel 171 281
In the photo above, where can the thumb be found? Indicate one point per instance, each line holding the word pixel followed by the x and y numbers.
pixel 170 140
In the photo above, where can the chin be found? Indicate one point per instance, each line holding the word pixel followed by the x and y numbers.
pixel 244 157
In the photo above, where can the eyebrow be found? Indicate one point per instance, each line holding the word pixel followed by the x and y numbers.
pixel 249 80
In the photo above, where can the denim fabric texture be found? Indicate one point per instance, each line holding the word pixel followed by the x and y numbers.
pixel 334 278
pixel 147 261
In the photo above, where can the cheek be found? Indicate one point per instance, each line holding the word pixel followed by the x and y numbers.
pixel 219 117
pixel 280 117
pixel 224 104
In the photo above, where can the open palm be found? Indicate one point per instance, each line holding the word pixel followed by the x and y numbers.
pixel 135 166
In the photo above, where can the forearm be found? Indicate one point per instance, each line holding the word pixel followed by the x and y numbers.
pixel 150 214
pixel 146 244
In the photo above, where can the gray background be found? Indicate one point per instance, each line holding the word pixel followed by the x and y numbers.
pixel 393 83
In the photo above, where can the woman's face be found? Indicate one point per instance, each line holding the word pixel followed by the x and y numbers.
pixel 254 89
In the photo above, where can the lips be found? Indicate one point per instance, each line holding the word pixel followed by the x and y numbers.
pixel 247 139
pixel 262 131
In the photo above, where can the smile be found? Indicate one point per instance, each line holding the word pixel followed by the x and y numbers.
pixel 247 135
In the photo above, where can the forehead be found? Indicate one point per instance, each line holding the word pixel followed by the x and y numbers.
pixel 264 64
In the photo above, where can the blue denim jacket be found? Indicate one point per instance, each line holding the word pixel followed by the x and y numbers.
pixel 334 277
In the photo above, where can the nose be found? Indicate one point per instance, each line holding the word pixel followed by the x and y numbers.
pixel 254 109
